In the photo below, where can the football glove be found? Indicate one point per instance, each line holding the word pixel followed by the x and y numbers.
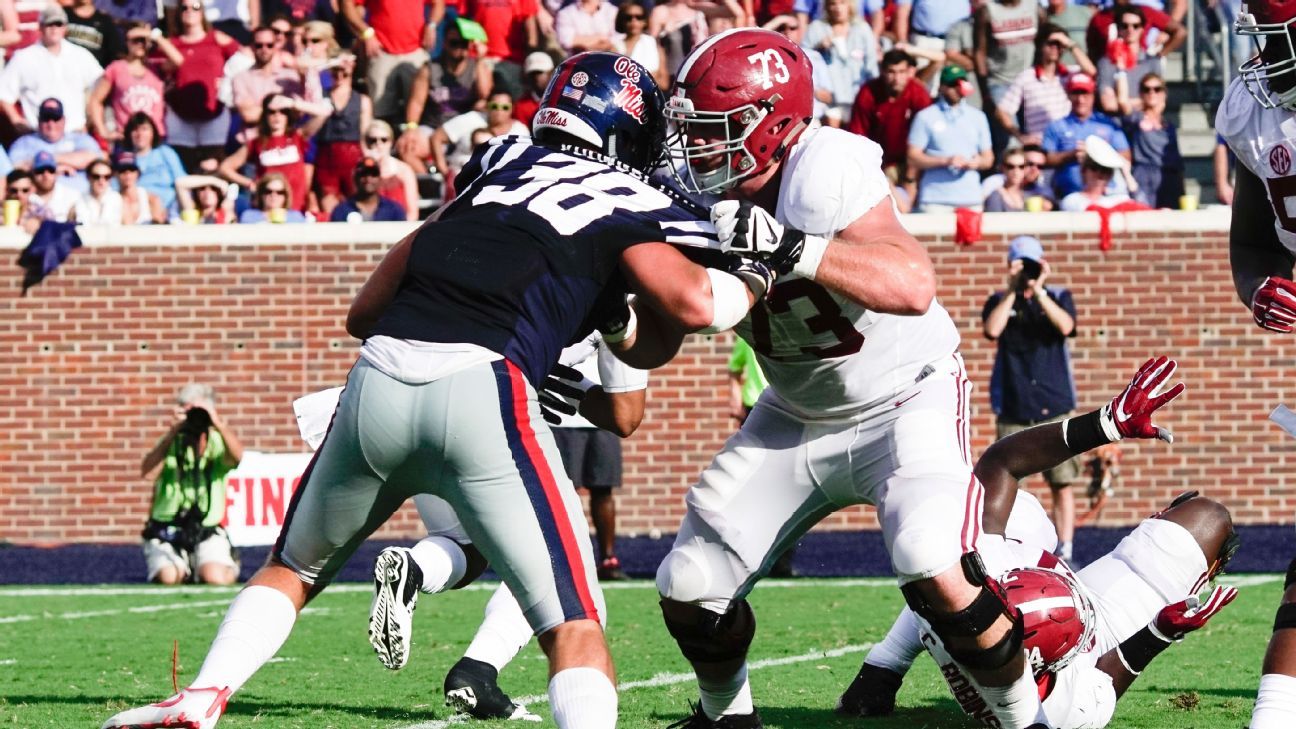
pixel 562 392
pixel 758 275
pixel 1129 414
pixel 619 321
pixel 1274 305
pixel 749 231
pixel 1183 617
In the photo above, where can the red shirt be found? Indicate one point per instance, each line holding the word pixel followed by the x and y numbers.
pixel 505 24
pixel 287 156
pixel 1100 29
pixel 886 120
pixel 525 108
pixel 193 85
pixel 398 24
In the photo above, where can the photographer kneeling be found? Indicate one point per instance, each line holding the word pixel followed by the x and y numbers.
pixel 183 536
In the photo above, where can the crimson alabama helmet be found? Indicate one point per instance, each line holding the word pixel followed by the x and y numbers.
pixel 741 98
pixel 1270 75
pixel 1058 620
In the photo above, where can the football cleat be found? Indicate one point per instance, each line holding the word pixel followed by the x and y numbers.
pixel 699 720
pixel 872 693
pixel 397 579
pixel 192 708
pixel 610 569
pixel 472 687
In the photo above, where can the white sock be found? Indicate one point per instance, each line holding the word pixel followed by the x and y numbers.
pixel 1275 706
pixel 583 698
pixel 731 696
pixel 1018 705
pixel 442 561
pixel 503 632
pixel 255 627
pixel 1064 550
pixel 900 647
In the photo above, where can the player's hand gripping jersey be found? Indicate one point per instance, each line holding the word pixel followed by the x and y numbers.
pixel 824 354
pixel 1264 141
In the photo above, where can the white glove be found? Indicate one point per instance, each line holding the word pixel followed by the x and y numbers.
pixel 750 231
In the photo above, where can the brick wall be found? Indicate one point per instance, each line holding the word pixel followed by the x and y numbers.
pixel 91 358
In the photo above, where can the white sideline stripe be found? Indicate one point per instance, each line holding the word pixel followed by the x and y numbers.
pixel 664 679
pixel 108 613
pixel 8 661
pixel 1248 580
pixel 109 590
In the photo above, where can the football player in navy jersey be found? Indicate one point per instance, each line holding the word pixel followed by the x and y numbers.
pixel 461 321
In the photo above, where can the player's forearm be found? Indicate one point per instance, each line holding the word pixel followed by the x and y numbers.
pixel 379 290
pixel 1057 316
pixel 885 275
pixel 1011 459
pixel 1126 661
pixel 619 413
pixel 655 341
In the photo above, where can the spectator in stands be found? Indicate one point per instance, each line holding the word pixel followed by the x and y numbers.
pixel 205 200
pixel 366 205
pixel 679 26
pixel 128 86
pixel 1168 35
pixel 1010 196
pixel 6 165
pixel 452 143
pixel 1034 183
pixel 72 150
pixel 949 142
pixel 792 29
pixel 1121 71
pixel 139 206
pixel 159 165
pixel 1095 177
pixel 52 198
pixel 18 186
pixel 512 31
pixel 279 147
pixel 1038 94
pixel 234 18
pixel 1072 16
pixel 394 43
pixel 1064 138
pixel 183 538
pixel 95 31
pixel 1005 42
pixel 127 12
pixel 960 50
pixel 924 23
pixel 101 205
pixel 453 84
pixel 267 77
pixel 537 71
pixel 884 110
pixel 1154 145
pixel 585 25
pixel 197 122
pixel 396 180
pixel 9 34
pixel 50 68
pixel 337 144
pixel 272 202
pixel 848 49
pixel 632 40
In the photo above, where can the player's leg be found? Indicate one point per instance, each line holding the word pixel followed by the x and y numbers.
pixel 472 684
pixel 874 689
pixel 756 498
pixel 215 558
pixel 1275 706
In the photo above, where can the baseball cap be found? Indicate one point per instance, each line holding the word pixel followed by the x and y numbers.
pixel 1079 81
pixel 44 161
pixel 951 75
pixel 366 166
pixel 125 161
pixel 1025 246
pixel 538 62
pixel 50 109
pixel 53 13
pixel 1100 152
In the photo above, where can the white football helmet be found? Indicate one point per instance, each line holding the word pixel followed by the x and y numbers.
pixel 1270 75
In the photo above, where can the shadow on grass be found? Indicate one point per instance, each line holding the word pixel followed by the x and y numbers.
pixel 929 716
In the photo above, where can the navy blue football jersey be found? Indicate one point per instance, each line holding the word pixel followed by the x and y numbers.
pixel 518 261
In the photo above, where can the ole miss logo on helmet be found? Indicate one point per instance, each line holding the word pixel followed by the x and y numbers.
pixel 630 97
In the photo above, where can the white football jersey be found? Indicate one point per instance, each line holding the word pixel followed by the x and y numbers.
pixel 823 354
pixel 1264 141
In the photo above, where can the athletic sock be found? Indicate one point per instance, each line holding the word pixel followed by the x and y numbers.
pixel 255 627
pixel 583 698
pixel 503 632
pixel 900 647
pixel 1016 705
pixel 442 562
pixel 1275 706
pixel 728 696
pixel 1064 550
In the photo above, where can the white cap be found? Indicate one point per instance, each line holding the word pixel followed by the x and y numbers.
pixel 1103 154
pixel 538 61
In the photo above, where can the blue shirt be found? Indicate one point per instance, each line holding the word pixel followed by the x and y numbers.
pixel 159 169
pixel 1062 136
pixel 934 17
pixel 814 8
pixel 252 215
pixel 942 130
pixel 6 166
pixel 1031 380
pixel 25 148
pixel 387 211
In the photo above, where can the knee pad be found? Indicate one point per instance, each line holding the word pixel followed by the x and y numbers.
pixel 973 620
pixel 682 578
pixel 1286 617
pixel 708 637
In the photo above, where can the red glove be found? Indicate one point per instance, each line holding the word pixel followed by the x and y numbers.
pixel 1129 415
pixel 1274 305
pixel 1177 620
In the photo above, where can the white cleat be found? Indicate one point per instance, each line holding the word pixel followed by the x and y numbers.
pixel 192 708
pixel 391 614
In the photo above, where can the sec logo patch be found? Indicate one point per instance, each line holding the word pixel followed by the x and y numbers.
pixel 1280 159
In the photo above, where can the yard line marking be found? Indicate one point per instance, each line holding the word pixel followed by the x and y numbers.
pixel 664 679
pixel 108 613
pixel 8 661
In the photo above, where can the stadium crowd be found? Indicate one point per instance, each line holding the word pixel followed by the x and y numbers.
pixel 222 111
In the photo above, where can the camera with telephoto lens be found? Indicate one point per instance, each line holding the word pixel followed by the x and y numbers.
pixel 197 421
pixel 1030 271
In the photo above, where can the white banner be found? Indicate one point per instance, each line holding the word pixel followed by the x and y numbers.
pixel 257 495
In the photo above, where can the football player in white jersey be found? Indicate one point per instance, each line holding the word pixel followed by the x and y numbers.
pixel 1083 632
pixel 868 396
pixel 1256 120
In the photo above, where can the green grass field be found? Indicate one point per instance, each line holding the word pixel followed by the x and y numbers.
pixel 72 656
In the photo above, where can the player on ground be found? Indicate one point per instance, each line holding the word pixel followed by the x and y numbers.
pixel 460 321
pixel 1085 632
pixel 868 396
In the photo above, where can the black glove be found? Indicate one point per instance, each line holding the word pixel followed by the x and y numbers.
pixel 562 393
pixel 758 275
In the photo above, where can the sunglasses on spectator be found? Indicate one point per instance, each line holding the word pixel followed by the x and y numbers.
pixel 1152 89
pixel 1055 44
pixel 456 43
pixel 371 141
pixel 280 30
pixel 634 16
pixel 100 175
pixel 192 6
pixel 313 41
pixel 124 170
pixel 1021 166
pixel 263 46
pixel 274 191
pixel 1130 26
pixel 499 107
pixel 44 171
pixel 277 111
pixel 24 190
pixel 140 39
pixel 54 24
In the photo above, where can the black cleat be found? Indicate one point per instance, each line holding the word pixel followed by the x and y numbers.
pixel 699 720
pixel 472 687
pixel 872 693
